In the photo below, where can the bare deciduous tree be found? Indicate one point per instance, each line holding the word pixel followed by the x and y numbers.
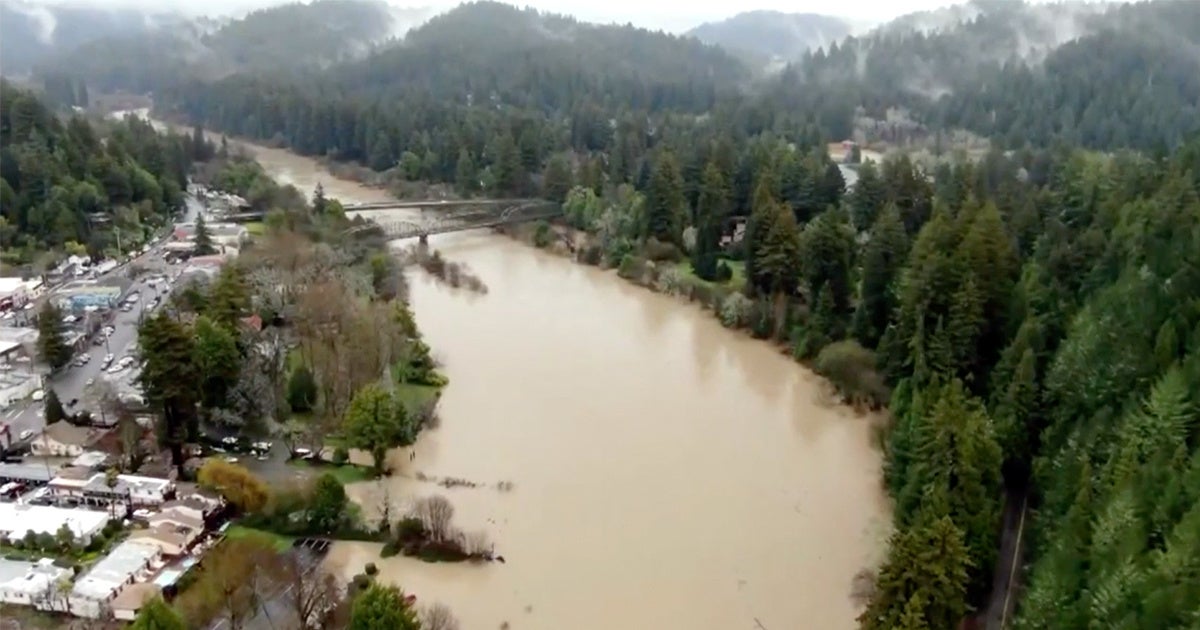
pixel 312 593
pixel 477 543
pixel 435 513
pixel 438 617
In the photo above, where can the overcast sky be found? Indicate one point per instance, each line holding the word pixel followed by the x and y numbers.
pixel 674 15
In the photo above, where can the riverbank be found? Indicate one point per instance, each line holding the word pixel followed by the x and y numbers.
pixel 659 467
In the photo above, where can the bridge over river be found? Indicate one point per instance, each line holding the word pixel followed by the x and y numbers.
pixel 437 216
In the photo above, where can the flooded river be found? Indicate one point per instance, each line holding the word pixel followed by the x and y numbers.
pixel 667 473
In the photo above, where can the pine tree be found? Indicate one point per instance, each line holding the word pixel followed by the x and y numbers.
pixel 202 238
pixel 170 379
pixel 53 408
pixel 867 197
pixel 761 215
pixel 466 178
pixel 883 260
pixel 777 259
pixel 506 166
pixel 52 348
pixel 664 201
pixel 319 202
pixel 957 459
pixel 924 578
pixel 557 180
pixel 711 208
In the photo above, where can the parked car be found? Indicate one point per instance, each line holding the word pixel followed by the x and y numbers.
pixel 26 434
pixel 38 395
pixel 108 359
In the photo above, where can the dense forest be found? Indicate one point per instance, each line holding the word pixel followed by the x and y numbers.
pixel 72 187
pixel 1028 318
pixel 1128 80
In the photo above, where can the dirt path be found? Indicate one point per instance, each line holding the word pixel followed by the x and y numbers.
pixel 1003 601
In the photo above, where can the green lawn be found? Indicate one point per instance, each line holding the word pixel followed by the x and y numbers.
pixel 347 473
pixel 281 542
pixel 256 228
pixel 414 396
pixel 737 282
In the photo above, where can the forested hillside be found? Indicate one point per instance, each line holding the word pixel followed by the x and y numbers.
pixel 72 187
pixel 478 85
pixel 35 31
pixel 1022 74
pixel 278 39
pixel 773 34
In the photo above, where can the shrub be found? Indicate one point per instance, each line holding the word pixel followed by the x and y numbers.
pixel 851 368
pixel 542 234
pixel 591 254
pixel 724 273
pixel 761 319
pixel 341 455
pixel 632 268
pixel 735 310
pixel 371 569
pixel 301 390
pixel 616 250
pixel 670 281
pixel 659 251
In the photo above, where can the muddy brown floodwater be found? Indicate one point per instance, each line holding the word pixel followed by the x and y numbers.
pixel 667 473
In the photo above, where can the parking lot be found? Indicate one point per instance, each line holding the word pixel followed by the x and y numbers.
pixel 117 339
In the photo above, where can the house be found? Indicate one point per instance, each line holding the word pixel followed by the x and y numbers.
pixel 33 584
pixel 171 539
pixel 128 563
pixel 62 439
pixel 96 488
pixel 18 520
pixel 176 518
pixel 191 507
pixel 126 605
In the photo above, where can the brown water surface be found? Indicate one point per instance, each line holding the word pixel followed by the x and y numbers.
pixel 667 473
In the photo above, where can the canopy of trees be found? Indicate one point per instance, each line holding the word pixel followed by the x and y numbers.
pixel 72 187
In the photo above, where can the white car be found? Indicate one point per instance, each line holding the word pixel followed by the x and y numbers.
pixel 38 395
pixel 26 434
pixel 114 369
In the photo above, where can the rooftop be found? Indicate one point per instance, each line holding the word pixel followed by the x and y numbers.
pixel 122 563
pixel 18 520
pixel 26 472
pixel 67 433
pixel 30 577
pixel 90 460
pixel 167 517
pixel 136 596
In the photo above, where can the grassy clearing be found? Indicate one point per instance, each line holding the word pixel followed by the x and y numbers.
pixel 737 282
pixel 256 228
pixel 346 473
pixel 415 396
pixel 281 542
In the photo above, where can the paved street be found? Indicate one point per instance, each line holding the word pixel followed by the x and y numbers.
pixel 71 381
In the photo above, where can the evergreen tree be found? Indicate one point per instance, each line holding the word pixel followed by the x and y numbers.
pixel 777 259
pixel 319 202
pixel 170 379
pixel 828 250
pixel 382 608
pixel 760 219
pixel 883 260
pixel 506 166
pixel 711 209
pixel 202 238
pixel 52 347
pixel 53 408
pixel 466 177
pixel 557 180
pixel 867 197
pixel 923 579
pixel 664 201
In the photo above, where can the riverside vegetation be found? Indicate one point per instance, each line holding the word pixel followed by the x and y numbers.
pixel 1026 316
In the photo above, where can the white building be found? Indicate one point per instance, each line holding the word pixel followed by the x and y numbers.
pixel 128 563
pixel 17 520
pixel 93 488
pixel 15 293
pixel 34 584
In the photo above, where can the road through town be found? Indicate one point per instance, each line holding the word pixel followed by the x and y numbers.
pixel 71 382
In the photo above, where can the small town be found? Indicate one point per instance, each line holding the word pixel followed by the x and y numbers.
pixel 77 537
